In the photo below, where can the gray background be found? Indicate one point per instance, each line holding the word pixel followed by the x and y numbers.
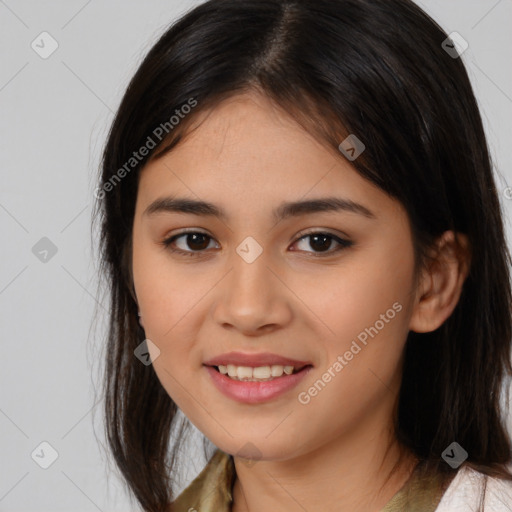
pixel 55 114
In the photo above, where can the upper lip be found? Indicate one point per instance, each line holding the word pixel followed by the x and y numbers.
pixel 255 360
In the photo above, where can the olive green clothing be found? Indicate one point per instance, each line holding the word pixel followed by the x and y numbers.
pixel 211 491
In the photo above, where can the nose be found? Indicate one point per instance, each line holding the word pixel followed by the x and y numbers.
pixel 253 298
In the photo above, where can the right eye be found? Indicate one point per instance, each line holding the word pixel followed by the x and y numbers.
pixel 196 240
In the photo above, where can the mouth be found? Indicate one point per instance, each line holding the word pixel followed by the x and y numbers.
pixel 259 373
pixel 257 367
pixel 256 378
pixel 257 384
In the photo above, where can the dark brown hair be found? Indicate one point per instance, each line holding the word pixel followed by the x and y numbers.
pixel 339 67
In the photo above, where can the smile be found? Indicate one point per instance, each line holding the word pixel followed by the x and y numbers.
pixel 251 390
pixel 258 374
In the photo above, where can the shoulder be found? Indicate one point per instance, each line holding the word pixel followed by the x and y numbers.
pixel 467 488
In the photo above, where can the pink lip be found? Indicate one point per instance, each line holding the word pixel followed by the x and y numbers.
pixel 249 392
pixel 254 360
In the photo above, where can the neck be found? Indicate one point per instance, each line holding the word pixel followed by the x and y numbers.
pixel 349 473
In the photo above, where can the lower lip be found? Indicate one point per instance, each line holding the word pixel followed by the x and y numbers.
pixel 249 392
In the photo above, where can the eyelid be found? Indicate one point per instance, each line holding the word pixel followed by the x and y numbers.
pixel 170 239
pixel 342 240
pixel 323 231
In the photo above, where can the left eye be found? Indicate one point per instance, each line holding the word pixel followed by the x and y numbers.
pixel 322 241
pixel 198 242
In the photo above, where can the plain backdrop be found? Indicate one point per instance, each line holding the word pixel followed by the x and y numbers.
pixel 54 116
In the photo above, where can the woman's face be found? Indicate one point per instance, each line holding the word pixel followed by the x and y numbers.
pixel 258 281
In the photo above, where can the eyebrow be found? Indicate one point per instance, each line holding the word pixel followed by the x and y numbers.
pixel 283 211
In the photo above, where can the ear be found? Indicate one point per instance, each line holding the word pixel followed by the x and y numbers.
pixel 440 283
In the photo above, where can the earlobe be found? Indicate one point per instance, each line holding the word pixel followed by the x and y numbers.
pixel 441 282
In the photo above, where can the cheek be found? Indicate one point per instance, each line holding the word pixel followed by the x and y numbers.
pixel 166 299
pixel 165 290
pixel 366 306
pixel 354 296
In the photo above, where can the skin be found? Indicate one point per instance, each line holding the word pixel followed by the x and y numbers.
pixel 247 156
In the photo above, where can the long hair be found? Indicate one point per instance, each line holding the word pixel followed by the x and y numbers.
pixel 339 67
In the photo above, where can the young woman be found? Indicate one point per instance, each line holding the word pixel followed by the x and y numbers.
pixel 306 256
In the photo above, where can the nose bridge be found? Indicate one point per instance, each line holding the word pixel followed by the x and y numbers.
pixel 252 296
pixel 251 285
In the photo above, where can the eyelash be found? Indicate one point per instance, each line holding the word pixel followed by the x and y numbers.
pixel 343 244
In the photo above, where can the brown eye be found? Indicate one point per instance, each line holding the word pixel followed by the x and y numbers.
pixel 320 242
pixel 193 242
pixel 196 241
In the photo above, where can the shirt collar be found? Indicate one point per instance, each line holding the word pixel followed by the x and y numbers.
pixel 211 490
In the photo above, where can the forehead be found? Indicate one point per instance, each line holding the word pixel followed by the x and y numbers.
pixel 249 132
pixel 245 151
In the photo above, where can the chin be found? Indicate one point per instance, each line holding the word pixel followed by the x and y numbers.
pixel 260 448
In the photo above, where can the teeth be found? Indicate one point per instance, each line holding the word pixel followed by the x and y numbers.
pixel 277 370
pixel 244 372
pixel 260 373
